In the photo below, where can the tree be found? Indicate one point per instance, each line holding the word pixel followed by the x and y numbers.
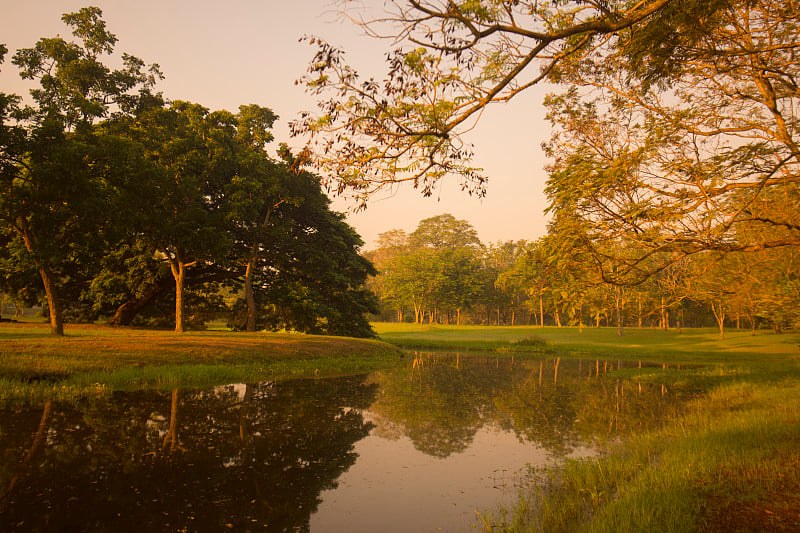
pixel 53 192
pixel 455 59
pixel 391 245
pixel 309 275
pixel 254 193
pixel 179 209
pixel 502 287
pixel 686 147
pixel 534 272
pixel 437 269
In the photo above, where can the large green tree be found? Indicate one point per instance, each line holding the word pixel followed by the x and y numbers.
pixel 438 270
pixel 54 188
pixel 254 193
pixel 178 209
pixel 308 274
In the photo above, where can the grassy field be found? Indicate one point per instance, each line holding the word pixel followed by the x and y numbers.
pixel 690 345
pixel 730 462
pixel 96 359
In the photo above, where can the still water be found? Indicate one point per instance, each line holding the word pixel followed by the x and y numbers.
pixel 423 447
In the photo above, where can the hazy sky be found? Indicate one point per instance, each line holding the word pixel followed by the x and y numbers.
pixel 224 54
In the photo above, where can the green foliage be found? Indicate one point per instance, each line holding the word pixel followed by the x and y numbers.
pixel 437 269
pixel 52 200
pixel 532 341
pixel 108 191
pixel 310 272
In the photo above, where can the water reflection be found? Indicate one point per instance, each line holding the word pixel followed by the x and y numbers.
pixel 264 456
pixel 236 457
pixel 556 404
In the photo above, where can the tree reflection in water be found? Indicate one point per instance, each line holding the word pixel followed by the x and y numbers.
pixel 249 457
pixel 442 401
pixel 239 458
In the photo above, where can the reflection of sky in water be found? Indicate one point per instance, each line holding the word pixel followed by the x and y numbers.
pixel 395 487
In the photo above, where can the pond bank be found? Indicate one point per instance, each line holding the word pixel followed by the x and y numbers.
pixel 95 359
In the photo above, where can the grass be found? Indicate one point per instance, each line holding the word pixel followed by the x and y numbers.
pixel 732 463
pixel 97 359
pixel 691 345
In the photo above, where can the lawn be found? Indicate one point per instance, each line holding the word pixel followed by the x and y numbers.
pixel 690 345
pixel 95 359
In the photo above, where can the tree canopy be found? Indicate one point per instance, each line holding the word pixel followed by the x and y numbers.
pixel 111 194
pixel 691 147
pixel 674 122
pixel 52 199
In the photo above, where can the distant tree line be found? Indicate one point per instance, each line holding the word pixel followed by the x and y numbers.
pixel 442 274
pixel 117 203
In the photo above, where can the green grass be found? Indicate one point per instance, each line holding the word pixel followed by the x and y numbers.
pixel 691 345
pixel 732 463
pixel 95 359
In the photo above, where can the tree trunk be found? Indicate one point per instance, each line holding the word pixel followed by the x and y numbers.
pixel 178 265
pixel 39 442
pixel 249 295
pixel 719 314
pixel 248 277
pixel 127 311
pixel 53 302
pixel 558 318
pixel 417 314
pixel 171 438
pixel 180 276
pixel 244 422
pixel 640 312
pixel 541 311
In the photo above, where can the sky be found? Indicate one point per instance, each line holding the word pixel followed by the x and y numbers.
pixel 226 54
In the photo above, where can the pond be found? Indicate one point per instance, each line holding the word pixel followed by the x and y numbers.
pixel 422 447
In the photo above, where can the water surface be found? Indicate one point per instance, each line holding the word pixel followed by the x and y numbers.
pixel 418 448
